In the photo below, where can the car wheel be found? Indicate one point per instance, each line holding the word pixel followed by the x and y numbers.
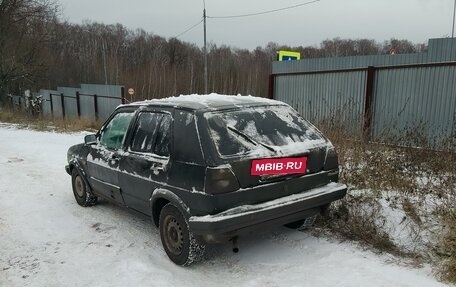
pixel 82 195
pixel 302 224
pixel 179 243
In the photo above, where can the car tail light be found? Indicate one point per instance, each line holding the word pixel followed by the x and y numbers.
pixel 220 180
pixel 331 160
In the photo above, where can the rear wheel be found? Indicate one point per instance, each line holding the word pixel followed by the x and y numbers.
pixel 178 242
pixel 81 193
pixel 302 224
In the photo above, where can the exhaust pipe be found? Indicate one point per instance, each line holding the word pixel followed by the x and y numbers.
pixel 235 244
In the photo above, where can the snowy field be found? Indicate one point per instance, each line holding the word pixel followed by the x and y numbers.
pixel 46 239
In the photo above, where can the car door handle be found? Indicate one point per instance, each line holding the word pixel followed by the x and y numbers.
pixel 157 167
pixel 115 157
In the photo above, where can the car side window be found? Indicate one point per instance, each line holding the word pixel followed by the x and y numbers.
pixel 113 134
pixel 163 136
pixel 145 132
pixel 152 134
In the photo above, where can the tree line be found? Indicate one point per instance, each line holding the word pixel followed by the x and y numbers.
pixel 39 50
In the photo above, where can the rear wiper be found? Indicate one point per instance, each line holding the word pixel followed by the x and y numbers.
pixel 249 139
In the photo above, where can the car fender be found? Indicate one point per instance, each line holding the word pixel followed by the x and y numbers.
pixel 171 197
pixel 74 163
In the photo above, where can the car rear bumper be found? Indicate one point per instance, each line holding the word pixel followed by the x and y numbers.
pixel 232 222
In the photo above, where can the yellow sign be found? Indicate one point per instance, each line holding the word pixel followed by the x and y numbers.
pixel 288 56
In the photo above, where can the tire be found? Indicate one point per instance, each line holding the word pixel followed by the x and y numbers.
pixel 302 224
pixel 179 243
pixel 80 191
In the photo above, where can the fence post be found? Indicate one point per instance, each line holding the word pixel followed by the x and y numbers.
pixel 95 106
pixel 52 105
pixel 122 94
pixel 62 100
pixel 271 86
pixel 78 104
pixel 368 101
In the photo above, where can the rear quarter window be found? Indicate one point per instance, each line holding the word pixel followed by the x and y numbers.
pixel 187 146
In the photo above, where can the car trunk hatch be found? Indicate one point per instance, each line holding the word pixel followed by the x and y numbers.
pixel 266 144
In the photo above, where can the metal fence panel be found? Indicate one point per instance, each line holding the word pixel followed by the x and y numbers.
pixel 57 105
pixel 338 98
pixel 71 110
pixel 87 105
pixel 413 104
pixel 89 101
pixel 442 50
pixel 114 91
pixel 106 99
pixel 46 106
pixel 352 62
pixel 105 105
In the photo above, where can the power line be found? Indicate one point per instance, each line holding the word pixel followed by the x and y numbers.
pixel 227 17
pixel 263 12
pixel 190 28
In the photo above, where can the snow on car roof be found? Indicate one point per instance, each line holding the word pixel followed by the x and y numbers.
pixel 211 101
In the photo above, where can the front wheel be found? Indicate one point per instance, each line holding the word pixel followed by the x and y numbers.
pixel 82 195
pixel 178 242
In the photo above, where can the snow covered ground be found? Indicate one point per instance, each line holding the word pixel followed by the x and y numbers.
pixel 46 239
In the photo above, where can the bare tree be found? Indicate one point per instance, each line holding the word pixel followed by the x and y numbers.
pixel 156 67
pixel 24 26
pixel 399 46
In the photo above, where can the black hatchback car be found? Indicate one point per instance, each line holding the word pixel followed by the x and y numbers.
pixel 208 168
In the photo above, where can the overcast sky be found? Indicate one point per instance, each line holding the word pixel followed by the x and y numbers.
pixel 415 20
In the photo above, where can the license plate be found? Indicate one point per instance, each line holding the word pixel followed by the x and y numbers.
pixel 278 166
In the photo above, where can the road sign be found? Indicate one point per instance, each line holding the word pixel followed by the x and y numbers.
pixel 288 56
pixel 131 91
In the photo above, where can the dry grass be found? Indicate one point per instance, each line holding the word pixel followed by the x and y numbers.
pixel 353 219
pixel 419 182
pixel 48 123
pixel 446 245
pixel 411 210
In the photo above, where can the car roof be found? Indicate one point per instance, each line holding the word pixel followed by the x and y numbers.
pixel 207 102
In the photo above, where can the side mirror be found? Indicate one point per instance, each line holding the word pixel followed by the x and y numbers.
pixel 90 139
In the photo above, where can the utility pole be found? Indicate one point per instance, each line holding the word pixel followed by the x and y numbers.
pixel 104 62
pixel 454 16
pixel 205 50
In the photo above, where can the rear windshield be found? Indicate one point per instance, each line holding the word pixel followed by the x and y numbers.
pixel 261 130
